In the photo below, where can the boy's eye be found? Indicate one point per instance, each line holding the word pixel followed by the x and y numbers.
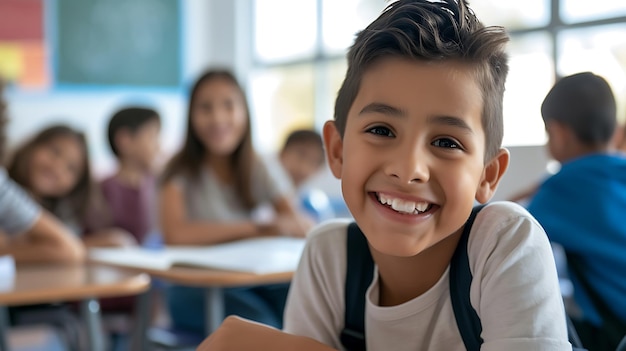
pixel 446 143
pixel 382 131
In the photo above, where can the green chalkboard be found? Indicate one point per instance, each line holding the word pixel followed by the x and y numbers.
pixel 117 42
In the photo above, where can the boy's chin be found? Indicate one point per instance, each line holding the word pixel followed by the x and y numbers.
pixel 398 248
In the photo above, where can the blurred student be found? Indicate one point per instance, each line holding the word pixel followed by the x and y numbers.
pixel 54 168
pixel 582 206
pixel 209 192
pixel 302 155
pixel 28 233
pixel 133 135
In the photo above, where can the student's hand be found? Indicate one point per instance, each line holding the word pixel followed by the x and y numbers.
pixel 113 237
pixel 238 334
pixel 296 226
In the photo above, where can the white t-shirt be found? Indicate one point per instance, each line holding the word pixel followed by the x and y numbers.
pixel 514 290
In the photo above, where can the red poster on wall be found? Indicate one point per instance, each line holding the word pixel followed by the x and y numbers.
pixel 21 20
pixel 23 53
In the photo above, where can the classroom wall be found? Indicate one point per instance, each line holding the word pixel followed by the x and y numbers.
pixel 208 36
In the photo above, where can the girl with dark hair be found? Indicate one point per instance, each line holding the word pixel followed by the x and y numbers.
pixel 210 191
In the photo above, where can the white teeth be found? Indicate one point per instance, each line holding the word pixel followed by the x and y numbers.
pixel 402 205
pixel 421 206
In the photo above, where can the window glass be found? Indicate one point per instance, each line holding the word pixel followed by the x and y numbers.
pixel 513 14
pixel 341 20
pixel 531 75
pixel 601 50
pixel 583 10
pixel 284 29
pixel 282 99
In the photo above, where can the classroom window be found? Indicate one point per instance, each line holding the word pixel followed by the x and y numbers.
pixel 581 37
pixel 529 80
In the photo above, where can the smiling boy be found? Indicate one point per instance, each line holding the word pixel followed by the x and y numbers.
pixel 416 141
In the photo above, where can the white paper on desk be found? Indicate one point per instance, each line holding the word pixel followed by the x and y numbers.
pixel 136 257
pixel 259 255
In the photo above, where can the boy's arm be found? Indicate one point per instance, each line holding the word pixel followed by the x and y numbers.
pixel 46 241
pixel 258 337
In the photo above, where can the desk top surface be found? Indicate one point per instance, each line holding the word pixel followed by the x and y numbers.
pixel 34 284
pixel 205 277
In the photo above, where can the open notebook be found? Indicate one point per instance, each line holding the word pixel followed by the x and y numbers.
pixel 258 255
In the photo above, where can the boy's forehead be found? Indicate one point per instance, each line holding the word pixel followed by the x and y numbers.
pixel 440 85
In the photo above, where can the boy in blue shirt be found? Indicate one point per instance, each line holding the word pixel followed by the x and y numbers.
pixel 416 141
pixel 582 206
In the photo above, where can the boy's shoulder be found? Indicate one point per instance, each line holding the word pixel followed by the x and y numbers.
pixel 499 214
pixel 504 226
pixel 329 232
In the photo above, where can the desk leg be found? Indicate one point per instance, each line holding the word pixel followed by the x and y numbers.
pixel 4 328
pixel 90 311
pixel 214 308
pixel 143 314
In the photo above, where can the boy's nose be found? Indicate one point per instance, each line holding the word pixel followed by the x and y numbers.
pixel 409 165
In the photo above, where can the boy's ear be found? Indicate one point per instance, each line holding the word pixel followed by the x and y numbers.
pixel 492 173
pixel 333 144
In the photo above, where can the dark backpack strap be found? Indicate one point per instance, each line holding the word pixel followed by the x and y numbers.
pixel 359 275
pixel 467 319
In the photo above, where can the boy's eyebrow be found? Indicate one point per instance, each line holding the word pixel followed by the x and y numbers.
pixel 451 121
pixel 377 107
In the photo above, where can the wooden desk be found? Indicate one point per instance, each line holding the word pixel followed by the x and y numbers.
pixel 214 282
pixel 35 284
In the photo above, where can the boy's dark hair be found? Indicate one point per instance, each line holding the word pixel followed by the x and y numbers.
pixel 304 136
pixel 3 121
pixel 130 118
pixel 433 31
pixel 585 103
pixel 81 198
pixel 190 159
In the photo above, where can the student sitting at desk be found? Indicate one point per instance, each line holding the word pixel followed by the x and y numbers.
pixel 54 168
pixel 416 141
pixel 301 157
pixel 133 135
pixel 43 238
pixel 209 192
pixel 582 206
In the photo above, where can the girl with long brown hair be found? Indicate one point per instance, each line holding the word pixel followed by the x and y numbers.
pixel 209 193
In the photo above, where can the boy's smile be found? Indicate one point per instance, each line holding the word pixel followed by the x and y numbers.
pixel 411 158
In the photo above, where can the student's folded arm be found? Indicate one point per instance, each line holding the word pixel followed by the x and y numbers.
pixel 515 288
pixel 179 230
pixel 111 237
pixel 46 241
